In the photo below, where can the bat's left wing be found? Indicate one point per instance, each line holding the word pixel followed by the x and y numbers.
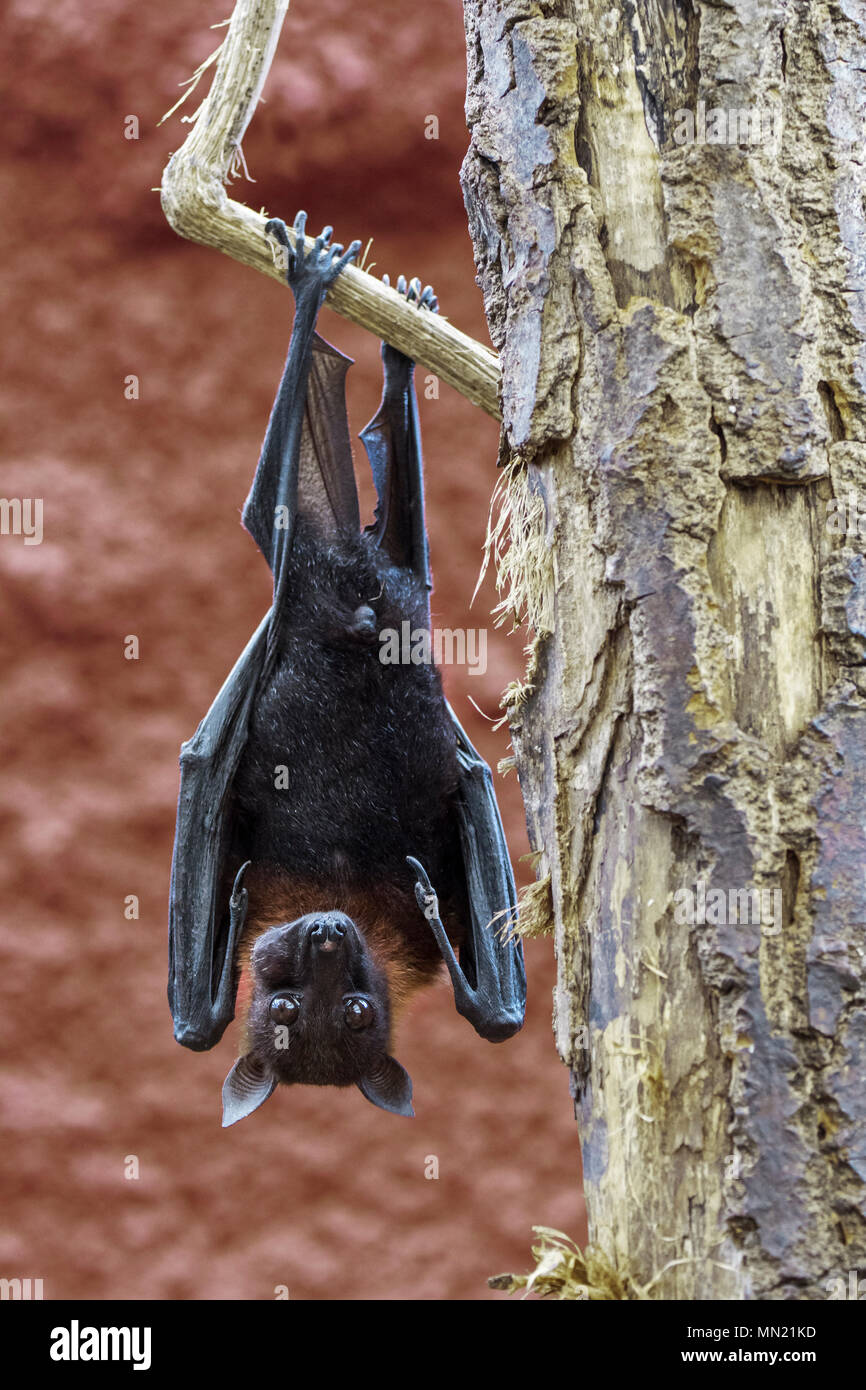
pixel 490 979
pixel 305 466
pixel 494 1000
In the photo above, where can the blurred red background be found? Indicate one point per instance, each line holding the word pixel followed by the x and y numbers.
pixel 319 1191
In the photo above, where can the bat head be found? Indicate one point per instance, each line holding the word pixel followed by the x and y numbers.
pixel 319 1016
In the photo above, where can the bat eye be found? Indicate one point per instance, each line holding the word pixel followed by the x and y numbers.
pixel 285 1008
pixel 359 1013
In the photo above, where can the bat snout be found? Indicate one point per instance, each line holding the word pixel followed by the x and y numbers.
pixel 294 946
pixel 323 953
pixel 328 931
pixel 327 938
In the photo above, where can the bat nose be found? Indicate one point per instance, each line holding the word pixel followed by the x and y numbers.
pixel 329 930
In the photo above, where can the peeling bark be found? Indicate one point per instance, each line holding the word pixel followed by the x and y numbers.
pixel 682 335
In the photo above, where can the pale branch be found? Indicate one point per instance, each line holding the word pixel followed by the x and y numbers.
pixel 197 206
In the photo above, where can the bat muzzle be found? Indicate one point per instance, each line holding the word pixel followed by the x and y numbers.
pixel 332 938
pixel 320 939
pixel 328 934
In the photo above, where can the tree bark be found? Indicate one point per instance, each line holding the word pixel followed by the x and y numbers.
pixel 682 333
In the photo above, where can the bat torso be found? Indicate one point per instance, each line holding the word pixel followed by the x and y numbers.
pixel 350 764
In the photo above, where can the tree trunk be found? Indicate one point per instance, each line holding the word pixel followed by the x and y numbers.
pixel 667 210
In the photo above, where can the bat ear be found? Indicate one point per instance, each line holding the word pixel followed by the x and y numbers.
pixel 389 1086
pixel 246 1087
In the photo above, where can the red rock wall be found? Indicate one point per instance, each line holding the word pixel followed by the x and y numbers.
pixel 319 1192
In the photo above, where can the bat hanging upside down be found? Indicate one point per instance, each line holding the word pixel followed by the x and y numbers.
pixel 336 831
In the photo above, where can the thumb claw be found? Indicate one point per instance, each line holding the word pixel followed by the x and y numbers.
pixel 421 872
pixel 425 894
pixel 239 893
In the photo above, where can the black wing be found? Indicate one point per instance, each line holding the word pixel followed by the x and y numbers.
pixel 392 440
pixel 305 466
pixel 493 952
pixel 490 979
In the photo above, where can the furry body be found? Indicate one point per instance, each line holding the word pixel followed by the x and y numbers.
pixel 367 760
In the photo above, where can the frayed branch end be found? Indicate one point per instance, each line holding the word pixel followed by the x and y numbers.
pixel 535 909
pixel 517 542
pixel 564 1272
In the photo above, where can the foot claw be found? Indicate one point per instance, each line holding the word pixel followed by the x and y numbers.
pixel 413 293
pixel 314 270
pixel 276 228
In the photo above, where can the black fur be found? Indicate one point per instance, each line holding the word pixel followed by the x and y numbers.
pixel 369 747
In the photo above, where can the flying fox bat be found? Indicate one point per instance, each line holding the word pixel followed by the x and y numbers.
pixel 336 831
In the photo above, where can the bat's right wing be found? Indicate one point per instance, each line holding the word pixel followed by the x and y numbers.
pixel 205 914
pixel 306 463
